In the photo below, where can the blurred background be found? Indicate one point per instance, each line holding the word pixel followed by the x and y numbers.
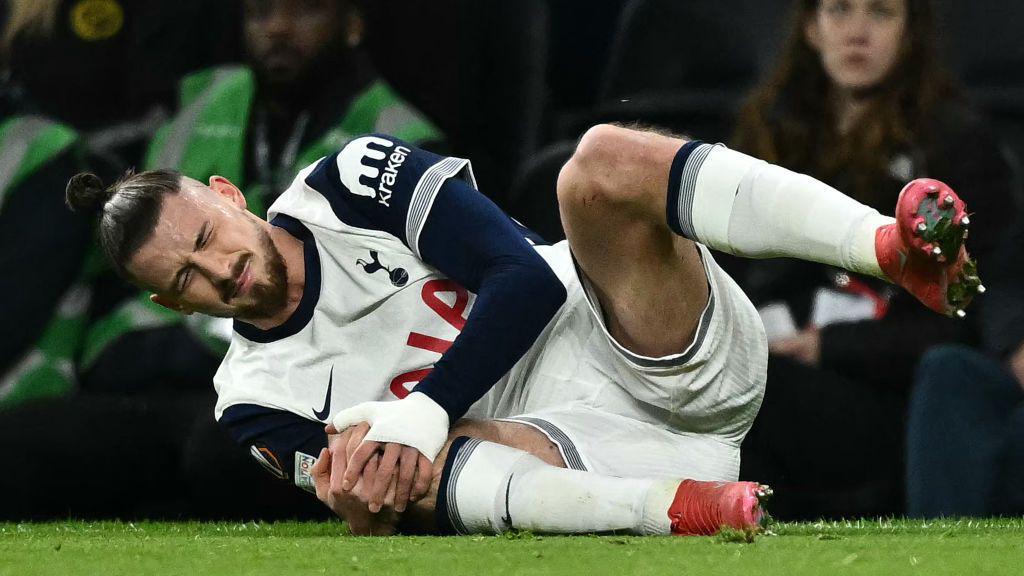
pixel 874 405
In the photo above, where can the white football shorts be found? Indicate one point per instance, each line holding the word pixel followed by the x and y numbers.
pixel 623 414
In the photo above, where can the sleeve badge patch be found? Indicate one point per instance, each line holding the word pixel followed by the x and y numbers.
pixel 266 458
pixel 303 479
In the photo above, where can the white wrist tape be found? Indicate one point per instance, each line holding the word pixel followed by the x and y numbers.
pixel 415 421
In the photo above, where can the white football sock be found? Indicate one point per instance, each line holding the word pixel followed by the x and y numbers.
pixel 490 488
pixel 747 207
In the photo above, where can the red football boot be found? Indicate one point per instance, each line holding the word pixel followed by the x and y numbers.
pixel 924 250
pixel 703 508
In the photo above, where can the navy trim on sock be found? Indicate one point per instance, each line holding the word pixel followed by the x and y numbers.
pixel 442 518
pixel 675 176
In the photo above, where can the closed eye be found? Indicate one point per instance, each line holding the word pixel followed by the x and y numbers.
pixel 187 279
pixel 184 276
pixel 206 239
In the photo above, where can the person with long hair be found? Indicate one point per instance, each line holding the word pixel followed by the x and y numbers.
pixel 860 101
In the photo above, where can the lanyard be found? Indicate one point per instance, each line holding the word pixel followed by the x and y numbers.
pixel 274 181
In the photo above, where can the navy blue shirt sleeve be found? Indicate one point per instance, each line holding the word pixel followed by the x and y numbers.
pixel 276 439
pixel 431 204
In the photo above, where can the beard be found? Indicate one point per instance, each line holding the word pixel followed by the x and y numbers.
pixel 267 299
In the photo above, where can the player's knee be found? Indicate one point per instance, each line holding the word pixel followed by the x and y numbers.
pixel 548 451
pixel 603 166
pixel 599 142
pixel 588 175
pixel 512 434
pixel 529 439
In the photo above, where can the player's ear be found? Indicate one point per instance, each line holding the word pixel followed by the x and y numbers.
pixel 170 304
pixel 224 187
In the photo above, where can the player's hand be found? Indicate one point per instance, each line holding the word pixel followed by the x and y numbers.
pixel 401 474
pixel 380 486
pixel 804 347
pixel 416 426
pixel 348 505
pixel 342 445
pixel 393 475
pixel 339 447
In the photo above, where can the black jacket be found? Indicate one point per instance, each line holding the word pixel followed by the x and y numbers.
pixel 1000 315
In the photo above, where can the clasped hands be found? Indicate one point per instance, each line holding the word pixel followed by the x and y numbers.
pixel 379 455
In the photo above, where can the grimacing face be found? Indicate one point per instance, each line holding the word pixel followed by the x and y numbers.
pixel 209 254
pixel 859 41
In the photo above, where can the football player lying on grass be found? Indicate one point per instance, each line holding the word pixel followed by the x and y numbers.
pixel 626 345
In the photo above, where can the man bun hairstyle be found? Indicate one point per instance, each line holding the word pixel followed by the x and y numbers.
pixel 128 209
pixel 86 194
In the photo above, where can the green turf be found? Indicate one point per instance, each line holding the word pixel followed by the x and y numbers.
pixel 971 548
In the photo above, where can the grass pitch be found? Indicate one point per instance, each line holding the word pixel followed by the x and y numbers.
pixel 962 547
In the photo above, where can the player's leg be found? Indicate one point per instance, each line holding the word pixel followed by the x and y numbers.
pixel 483 486
pixel 614 445
pixel 649 281
pixel 609 444
pixel 517 436
pixel 625 191
pixel 487 487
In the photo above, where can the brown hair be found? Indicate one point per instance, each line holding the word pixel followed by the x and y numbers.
pixel 128 209
pixel 789 120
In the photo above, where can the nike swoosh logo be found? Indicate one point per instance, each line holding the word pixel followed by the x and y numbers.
pixel 507 518
pixel 324 412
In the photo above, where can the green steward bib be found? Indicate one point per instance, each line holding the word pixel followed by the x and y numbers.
pixel 28 144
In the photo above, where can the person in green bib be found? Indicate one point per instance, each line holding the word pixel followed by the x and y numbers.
pixel 45 308
pixel 305 90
